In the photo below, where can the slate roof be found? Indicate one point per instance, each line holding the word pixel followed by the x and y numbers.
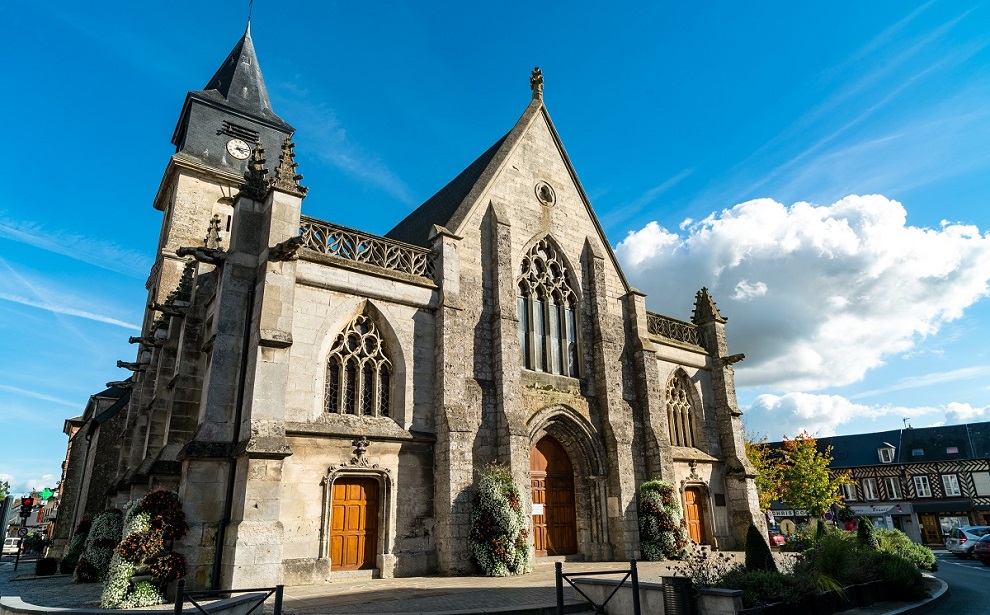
pixel 439 208
pixel 972 441
pixel 239 83
pixel 859 449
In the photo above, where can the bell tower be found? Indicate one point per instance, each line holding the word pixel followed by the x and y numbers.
pixel 217 129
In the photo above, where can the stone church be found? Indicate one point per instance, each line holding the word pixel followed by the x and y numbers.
pixel 323 398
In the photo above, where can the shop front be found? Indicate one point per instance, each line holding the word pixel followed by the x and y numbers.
pixel 937 519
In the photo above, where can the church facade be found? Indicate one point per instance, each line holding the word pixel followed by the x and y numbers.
pixel 323 399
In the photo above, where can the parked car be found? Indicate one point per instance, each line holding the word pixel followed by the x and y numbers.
pixel 962 539
pixel 981 550
pixel 777 539
pixel 11 545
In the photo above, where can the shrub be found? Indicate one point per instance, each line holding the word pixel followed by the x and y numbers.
pixel 76 545
pixel 143 594
pixel 758 555
pixel 35 543
pixel 833 561
pixel 46 566
pixel 498 524
pixel 661 529
pixel 104 534
pixel 166 514
pixel 903 577
pixel 85 572
pixel 167 567
pixel 761 586
pixel 898 543
pixel 864 534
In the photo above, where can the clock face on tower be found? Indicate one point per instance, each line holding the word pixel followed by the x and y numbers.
pixel 238 149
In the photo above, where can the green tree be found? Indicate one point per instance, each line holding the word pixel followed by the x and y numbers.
pixel 4 489
pixel 808 481
pixel 769 471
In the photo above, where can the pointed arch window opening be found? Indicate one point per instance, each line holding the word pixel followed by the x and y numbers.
pixel 680 412
pixel 547 307
pixel 358 371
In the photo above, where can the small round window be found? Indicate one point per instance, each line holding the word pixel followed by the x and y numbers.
pixel 545 193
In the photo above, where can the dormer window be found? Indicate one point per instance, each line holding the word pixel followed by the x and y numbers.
pixel 886 453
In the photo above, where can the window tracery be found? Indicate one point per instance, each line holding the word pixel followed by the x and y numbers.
pixel 547 309
pixel 680 412
pixel 359 371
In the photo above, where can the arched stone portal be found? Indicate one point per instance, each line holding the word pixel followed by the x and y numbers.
pixel 554 516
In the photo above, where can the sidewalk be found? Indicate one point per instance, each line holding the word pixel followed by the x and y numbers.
pixel 531 593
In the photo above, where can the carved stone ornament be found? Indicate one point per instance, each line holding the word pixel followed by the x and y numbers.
pixel 286 178
pixel 120 384
pixel 693 465
pixel 286 250
pixel 255 186
pixel 209 256
pixel 134 367
pixel 545 193
pixel 536 83
pixel 360 448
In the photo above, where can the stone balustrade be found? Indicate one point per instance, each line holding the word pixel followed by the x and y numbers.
pixel 673 329
pixel 352 245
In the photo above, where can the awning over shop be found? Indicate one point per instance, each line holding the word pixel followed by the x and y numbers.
pixel 956 506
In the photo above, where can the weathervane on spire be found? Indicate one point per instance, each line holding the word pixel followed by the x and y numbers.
pixel 536 83
pixel 250 9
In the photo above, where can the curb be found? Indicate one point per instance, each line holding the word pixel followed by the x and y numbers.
pixel 570 606
pixel 940 596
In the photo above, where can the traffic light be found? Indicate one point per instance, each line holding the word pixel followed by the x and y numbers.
pixel 26 505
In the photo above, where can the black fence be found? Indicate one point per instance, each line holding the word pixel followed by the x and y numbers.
pixel 182 596
pixel 599 608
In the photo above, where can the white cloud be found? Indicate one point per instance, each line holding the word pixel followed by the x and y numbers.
pixel 320 132
pixel 824 414
pixel 19 487
pixel 68 310
pixel 841 287
pixel 86 249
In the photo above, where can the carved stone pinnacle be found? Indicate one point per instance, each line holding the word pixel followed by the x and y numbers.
pixel 536 83
pixel 286 178
pixel 255 186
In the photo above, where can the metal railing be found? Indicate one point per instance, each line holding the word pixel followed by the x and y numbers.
pixel 599 608
pixel 182 596
pixel 359 247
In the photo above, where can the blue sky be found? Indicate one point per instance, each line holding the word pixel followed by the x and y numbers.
pixel 823 169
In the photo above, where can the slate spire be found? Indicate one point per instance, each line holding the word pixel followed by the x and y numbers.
pixel 239 79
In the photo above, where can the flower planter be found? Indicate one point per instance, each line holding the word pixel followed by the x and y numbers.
pixel 868 593
pixel 846 599
pixel 824 604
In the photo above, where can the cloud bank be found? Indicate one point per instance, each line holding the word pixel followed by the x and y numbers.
pixel 816 295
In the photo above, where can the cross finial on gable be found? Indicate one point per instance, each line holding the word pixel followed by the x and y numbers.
pixel 536 83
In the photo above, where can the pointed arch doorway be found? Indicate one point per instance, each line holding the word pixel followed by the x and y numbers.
pixel 552 483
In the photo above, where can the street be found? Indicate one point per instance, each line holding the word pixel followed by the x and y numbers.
pixel 969 585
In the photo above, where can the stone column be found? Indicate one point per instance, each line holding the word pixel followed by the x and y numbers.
pixel 456 424
pixel 741 496
pixel 608 332
pixel 514 444
pixel 649 392
pixel 253 546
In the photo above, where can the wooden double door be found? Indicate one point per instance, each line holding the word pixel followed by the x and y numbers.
pixel 353 523
pixel 552 482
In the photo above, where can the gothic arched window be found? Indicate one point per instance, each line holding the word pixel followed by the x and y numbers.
pixel 547 309
pixel 358 371
pixel 680 412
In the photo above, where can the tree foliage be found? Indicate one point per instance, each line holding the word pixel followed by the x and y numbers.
pixel 769 471
pixel 4 489
pixel 808 482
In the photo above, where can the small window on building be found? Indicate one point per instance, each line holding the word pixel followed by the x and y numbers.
pixel 922 487
pixel 981 480
pixel 951 484
pixel 917 452
pixel 886 454
pixel 849 492
pixel 870 489
pixel 893 485
pixel 952 450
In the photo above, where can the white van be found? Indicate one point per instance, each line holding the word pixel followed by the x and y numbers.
pixel 10 545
